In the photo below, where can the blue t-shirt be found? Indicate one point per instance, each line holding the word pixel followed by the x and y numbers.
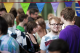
pixel 71 34
pixel 45 41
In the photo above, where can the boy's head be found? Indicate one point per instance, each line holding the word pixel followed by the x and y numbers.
pixel 67 14
pixel 9 18
pixel 50 15
pixel 58 46
pixel 54 23
pixel 34 13
pixel 23 18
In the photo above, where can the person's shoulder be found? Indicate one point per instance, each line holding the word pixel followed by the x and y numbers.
pixel 64 30
pixel 47 35
pixel 13 41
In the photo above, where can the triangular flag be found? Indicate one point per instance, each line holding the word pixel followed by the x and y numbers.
pixel 77 9
pixel 68 0
pixel 68 4
pixel 40 6
pixel 8 6
pixel 78 13
pixel 79 3
pixel 72 0
pixel 55 6
pixel 25 6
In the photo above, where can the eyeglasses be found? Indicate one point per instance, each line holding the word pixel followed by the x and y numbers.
pixel 56 24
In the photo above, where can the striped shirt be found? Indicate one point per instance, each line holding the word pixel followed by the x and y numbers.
pixel 9 44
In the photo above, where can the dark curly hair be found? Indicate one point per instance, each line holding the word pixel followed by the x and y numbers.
pixel 68 13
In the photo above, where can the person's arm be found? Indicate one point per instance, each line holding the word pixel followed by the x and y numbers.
pixel 42 51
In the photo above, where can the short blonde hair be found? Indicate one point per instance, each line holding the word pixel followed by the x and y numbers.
pixel 55 18
pixel 50 15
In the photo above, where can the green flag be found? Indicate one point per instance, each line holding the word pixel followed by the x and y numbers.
pixel 25 6
pixel 68 0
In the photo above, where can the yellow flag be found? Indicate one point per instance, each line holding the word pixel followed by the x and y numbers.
pixel 8 6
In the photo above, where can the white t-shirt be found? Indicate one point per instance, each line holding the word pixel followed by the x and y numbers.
pixel 46 41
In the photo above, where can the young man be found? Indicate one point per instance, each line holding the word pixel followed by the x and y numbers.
pixel 23 19
pixel 58 46
pixel 21 38
pixel 33 14
pixel 10 21
pixel 71 33
pixel 7 43
pixel 54 26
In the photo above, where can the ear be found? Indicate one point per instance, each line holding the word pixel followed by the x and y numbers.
pixel 31 14
pixel 33 29
pixel 23 19
pixel 73 22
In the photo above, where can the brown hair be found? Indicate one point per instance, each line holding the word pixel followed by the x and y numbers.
pixel 32 11
pixel 9 18
pixel 21 17
pixel 68 13
pixel 17 20
pixel 55 18
pixel 77 21
pixel 30 26
pixel 41 22
pixel 20 11
pixel 39 17
pixel 13 11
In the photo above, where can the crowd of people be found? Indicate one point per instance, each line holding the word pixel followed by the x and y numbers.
pixel 28 33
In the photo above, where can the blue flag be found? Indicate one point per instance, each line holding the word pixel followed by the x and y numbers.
pixel 77 9
pixel 40 6
pixel 68 4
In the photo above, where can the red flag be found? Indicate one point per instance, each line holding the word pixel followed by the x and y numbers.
pixel 79 3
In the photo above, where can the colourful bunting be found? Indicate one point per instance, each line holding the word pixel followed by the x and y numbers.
pixel 40 6
pixel 77 9
pixel 79 3
pixel 25 6
pixel 8 6
pixel 78 13
pixel 55 6
pixel 68 4
pixel 72 0
pixel 68 0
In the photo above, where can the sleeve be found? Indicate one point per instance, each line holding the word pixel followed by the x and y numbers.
pixel 63 35
pixel 42 45
pixel 4 47
pixel 15 46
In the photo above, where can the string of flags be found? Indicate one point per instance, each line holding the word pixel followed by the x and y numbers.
pixel 40 6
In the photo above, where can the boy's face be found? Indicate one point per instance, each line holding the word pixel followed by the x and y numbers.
pixel 35 15
pixel 55 52
pixel 54 25
pixel 62 19
pixel 25 20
